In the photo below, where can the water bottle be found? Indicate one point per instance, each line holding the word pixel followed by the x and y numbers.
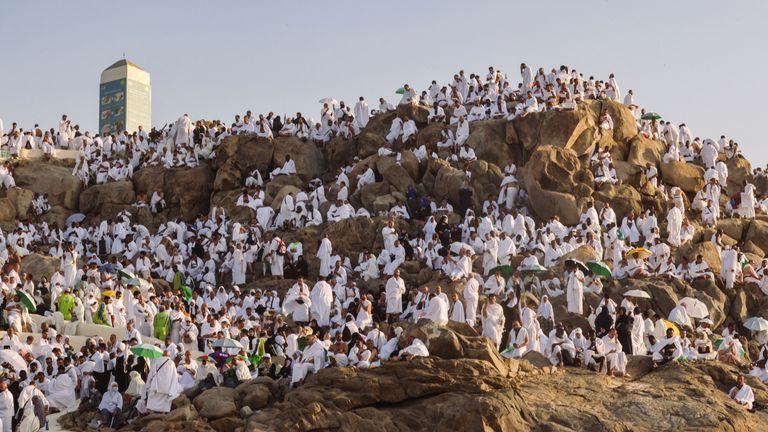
pixel 46 424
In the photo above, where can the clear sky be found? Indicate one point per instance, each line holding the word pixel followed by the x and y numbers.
pixel 698 62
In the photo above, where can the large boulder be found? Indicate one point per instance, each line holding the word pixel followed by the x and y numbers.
pixel 624 123
pixel 643 151
pixel 739 171
pixel 285 190
pixel 547 203
pixel 187 190
pixel 39 265
pixel 216 403
pixel 57 181
pixel 487 138
pixel 686 176
pixel 228 176
pixel 309 160
pixel 758 233
pixel 394 173
pixel 95 197
pixel 22 201
pixel 623 198
pixel 250 152
pixel 7 210
pixel 706 249
pixel 417 112
pixel 549 179
pixel 572 129
pixel 253 394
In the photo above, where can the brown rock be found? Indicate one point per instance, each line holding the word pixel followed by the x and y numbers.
pixel 216 403
pixel 309 160
pixel 93 198
pixel 249 151
pixel 487 139
pixel 686 176
pixel 57 181
pixel 644 151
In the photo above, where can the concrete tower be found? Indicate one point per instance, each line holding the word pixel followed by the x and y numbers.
pixel 125 98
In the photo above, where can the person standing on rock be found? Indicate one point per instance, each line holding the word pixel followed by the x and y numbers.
pixel 162 385
pixel 471 298
pixel 575 289
pixel 394 291
pixel 324 255
pixel 493 320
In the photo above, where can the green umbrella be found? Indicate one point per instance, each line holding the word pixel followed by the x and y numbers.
pixel 147 351
pixel 651 116
pixel 599 268
pixel 136 281
pixel 506 270
pixel 532 268
pixel 125 274
pixel 27 300
pixel 401 90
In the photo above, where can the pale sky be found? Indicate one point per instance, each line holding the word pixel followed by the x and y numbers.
pixel 697 62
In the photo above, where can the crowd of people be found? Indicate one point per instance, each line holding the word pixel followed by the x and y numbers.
pixel 182 286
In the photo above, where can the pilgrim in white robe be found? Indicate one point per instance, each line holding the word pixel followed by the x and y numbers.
pixel 162 385
pixel 493 322
pixel 471 297
pixel 394 290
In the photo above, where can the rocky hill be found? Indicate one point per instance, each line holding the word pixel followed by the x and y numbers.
pixel 466 385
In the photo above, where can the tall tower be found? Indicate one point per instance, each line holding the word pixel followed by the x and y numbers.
pixel 125 98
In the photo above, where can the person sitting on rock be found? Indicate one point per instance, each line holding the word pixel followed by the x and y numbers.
pixel 742 393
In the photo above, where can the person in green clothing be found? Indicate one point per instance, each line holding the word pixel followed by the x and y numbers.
pixel 66 304
pixel 161 324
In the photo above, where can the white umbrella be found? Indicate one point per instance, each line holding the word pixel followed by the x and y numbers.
pixel 329 100
pixel 756 324
pixel 74 218
pixel 637 294
pixel 456 247
pixel 695 308
pixel 13 358
pixel 227 343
